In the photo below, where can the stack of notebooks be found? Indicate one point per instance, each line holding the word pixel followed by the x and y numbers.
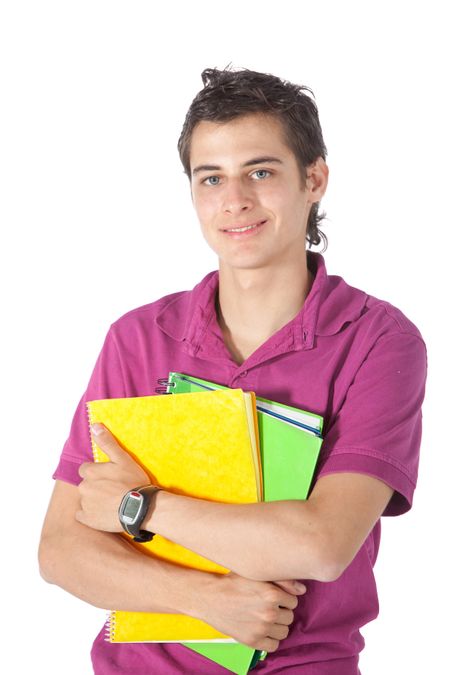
pixel 218 444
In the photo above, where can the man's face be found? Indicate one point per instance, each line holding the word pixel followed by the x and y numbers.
pixel 245 176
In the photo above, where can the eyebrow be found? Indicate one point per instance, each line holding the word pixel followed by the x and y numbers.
pixel 250 162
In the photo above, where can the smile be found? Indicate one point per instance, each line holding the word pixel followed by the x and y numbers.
pixel 245 228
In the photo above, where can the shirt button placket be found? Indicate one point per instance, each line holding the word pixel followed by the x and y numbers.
pixel 237 381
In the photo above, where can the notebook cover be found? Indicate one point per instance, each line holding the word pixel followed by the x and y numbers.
pixel 286 475
pixel 181 441
pixel 288 453
pixel 237 658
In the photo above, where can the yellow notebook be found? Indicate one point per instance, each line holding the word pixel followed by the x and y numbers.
pixel 203 445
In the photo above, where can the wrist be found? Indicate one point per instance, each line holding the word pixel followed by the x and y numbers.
pixel 157 514
pixel 201 594
pixel 192 591
pixel 134 508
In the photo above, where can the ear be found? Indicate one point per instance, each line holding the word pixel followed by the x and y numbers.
pixel 317 179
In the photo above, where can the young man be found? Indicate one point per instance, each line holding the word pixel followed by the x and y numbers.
pixel 270 320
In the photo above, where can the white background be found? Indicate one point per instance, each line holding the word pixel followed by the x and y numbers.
pixel 96 219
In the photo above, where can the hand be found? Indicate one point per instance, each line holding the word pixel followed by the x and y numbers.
pixel 256 613
pixel 105 483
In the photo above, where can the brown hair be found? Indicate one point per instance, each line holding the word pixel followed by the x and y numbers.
pixel 228 93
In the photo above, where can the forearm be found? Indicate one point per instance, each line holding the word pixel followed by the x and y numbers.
pixel 315 538
pixel 107 571
pixel 265 541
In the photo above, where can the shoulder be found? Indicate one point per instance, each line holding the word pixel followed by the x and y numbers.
pixel 371 345
pixel 340 309
pixel 169 314
pixel 150 310
pixel 391 317
pixel 346 309
pixel 378 389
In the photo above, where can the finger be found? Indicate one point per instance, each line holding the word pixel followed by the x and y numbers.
pixel 285 616
pixel 288 601
pixel 83 468
pixel 268 645
pixel 278 631
pixel 292 586
pixel 108 443
pixel 79 515
pixel 94 470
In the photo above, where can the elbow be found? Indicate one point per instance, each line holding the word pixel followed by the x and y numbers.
pixel 327 569
pixel 326 559
pixel 301 548
pixel 320 558
pixel 43 562
pixel 46 561
pixel 313 556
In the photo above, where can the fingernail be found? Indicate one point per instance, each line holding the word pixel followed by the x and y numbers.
pixel 97 428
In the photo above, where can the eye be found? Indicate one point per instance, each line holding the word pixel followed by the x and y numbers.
pixel 258 173
pixel 214 180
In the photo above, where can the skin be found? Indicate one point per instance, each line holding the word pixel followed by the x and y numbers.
pixel 263 283
pixel 267 271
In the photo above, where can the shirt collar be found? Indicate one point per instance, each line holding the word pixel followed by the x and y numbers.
pixel 330 304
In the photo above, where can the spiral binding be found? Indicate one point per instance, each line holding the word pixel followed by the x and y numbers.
pixel 110 627
pixel 165 384
pixel 94 449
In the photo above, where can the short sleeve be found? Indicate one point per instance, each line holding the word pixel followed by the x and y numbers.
pixel 106 381
pixel 377 430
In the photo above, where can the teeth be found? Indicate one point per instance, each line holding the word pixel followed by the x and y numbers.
pixel 243 229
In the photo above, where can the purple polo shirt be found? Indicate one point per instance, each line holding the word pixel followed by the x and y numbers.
pixel 348 356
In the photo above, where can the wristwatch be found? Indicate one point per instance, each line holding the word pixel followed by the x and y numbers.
pixel 133 510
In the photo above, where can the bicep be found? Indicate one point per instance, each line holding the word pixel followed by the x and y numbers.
pixel 347 506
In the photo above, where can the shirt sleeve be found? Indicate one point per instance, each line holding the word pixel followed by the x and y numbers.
pixel 377 430
pixel 106 381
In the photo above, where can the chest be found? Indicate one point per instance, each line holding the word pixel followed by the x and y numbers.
pixel 316 379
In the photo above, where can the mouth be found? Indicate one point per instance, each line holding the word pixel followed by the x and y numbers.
pixel 244 228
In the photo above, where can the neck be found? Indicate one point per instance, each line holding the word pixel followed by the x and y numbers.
pixel 254 304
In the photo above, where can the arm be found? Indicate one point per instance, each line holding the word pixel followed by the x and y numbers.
pixel 375 432
pixel 313 539
pixel 317 538
pixel 77 557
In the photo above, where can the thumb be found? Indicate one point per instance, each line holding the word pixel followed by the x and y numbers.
pixel 108 443
pixel 292 586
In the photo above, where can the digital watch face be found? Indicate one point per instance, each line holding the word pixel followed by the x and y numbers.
pixel 132 507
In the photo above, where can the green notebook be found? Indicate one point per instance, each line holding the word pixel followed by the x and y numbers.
pixel 290 441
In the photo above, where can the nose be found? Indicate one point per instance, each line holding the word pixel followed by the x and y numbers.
pixel 237 197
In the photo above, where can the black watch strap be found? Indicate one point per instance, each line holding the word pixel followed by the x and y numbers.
pixel 140 499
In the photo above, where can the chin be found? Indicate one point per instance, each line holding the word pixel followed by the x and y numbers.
pixel 244 264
